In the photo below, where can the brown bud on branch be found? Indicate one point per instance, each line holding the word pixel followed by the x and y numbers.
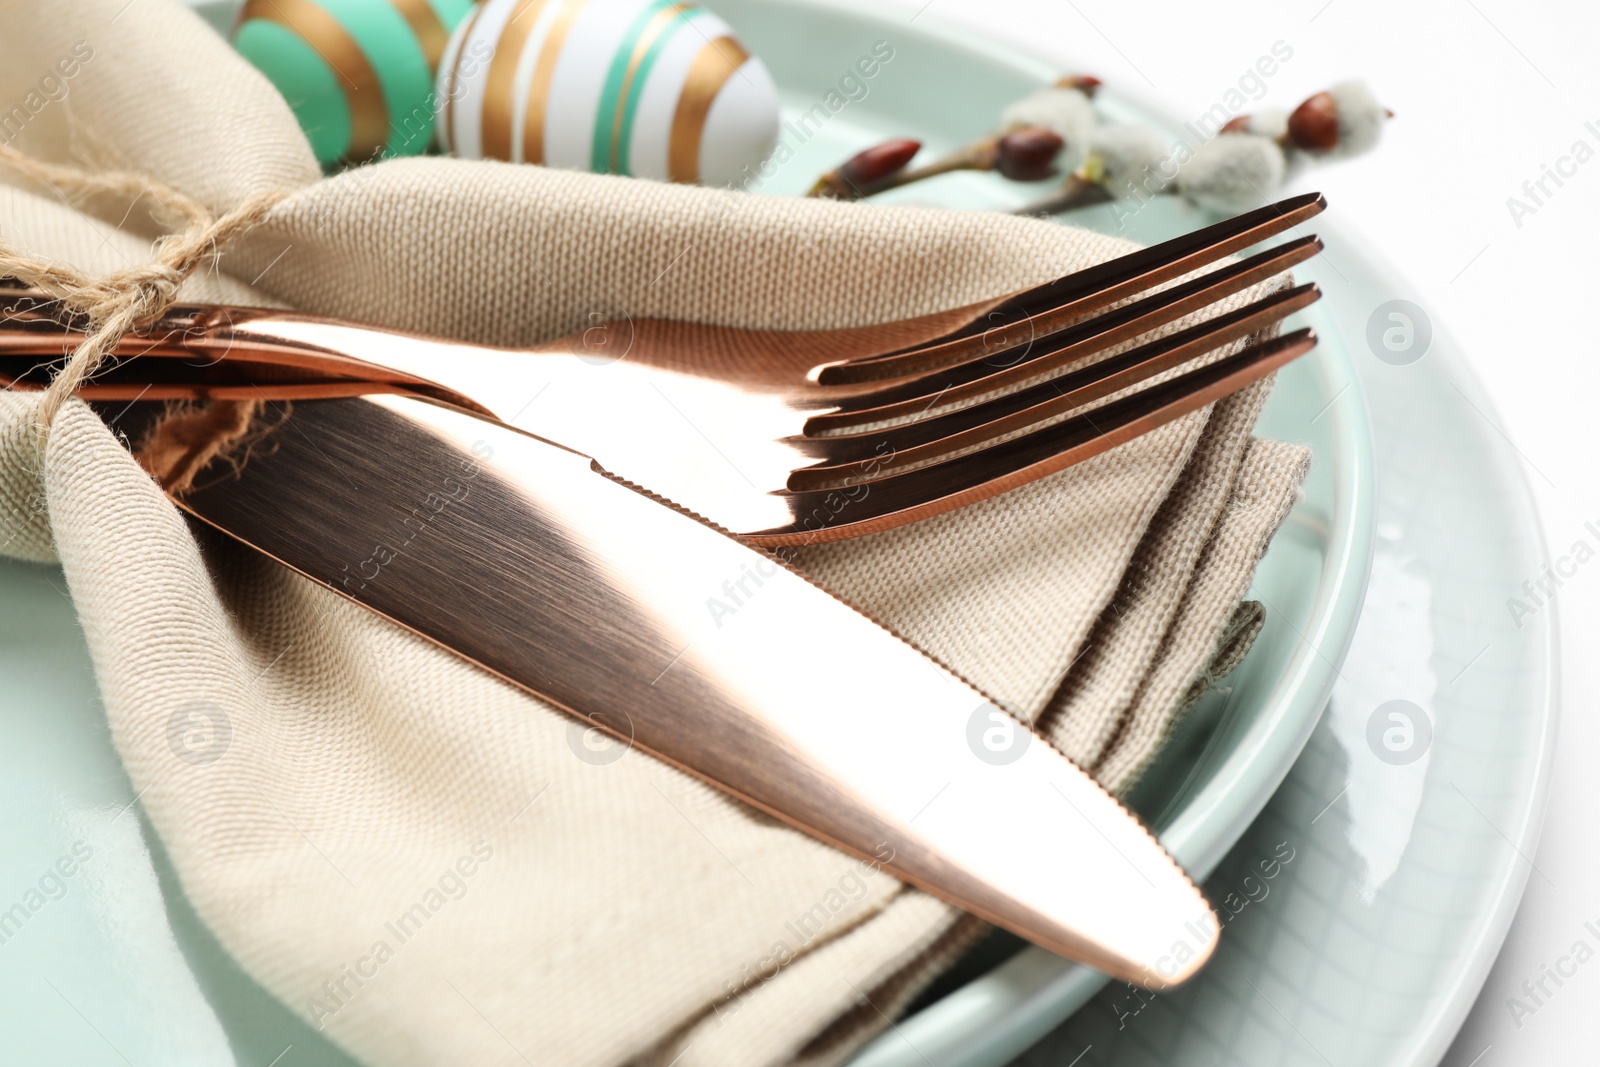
pixel 1087 84
pixel 1028 154
pixel 868 168
pixel 1314 125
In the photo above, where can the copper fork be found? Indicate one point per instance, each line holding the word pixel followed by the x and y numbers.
pixel 758 431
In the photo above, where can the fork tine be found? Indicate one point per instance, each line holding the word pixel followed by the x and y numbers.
pixel 1050 307
pixel 929 394
pixel 928 491
pixel 898 448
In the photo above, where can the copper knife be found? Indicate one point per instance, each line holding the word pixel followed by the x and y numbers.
pixel 526 558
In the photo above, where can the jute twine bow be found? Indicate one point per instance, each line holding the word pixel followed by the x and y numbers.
pixel 118 303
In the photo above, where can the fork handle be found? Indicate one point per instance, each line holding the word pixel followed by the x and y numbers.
pixel 200 348
pixel 317 347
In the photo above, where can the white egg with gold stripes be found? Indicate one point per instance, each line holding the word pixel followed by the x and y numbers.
pixel 650 88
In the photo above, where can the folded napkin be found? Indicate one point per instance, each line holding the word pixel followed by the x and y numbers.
pixel 409 852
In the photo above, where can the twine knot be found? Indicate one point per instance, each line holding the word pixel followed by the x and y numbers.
pixel 119 303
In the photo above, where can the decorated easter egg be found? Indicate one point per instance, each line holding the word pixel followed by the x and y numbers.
pixel 358 74
pixel 651 88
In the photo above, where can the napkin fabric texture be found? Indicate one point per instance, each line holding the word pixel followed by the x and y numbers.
pixel 411 853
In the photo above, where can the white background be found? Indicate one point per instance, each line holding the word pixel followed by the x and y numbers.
pixel 1486 93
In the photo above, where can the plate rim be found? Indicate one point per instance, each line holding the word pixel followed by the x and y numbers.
pixel 1508 892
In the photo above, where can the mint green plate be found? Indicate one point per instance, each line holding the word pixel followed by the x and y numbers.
pixel 119 969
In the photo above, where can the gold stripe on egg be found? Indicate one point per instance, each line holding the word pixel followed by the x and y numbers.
pixel 658 23
pixel 369 113
pixel 455 80
pixel 425 25
pixel 543 75
pixel 499 94
pixel 710 70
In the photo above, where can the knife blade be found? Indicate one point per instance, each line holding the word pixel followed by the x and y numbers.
pixel 527 559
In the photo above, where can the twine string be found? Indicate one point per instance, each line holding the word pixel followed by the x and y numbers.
pixel 119 303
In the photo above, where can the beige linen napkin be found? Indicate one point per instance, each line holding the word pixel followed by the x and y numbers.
pixel 411 853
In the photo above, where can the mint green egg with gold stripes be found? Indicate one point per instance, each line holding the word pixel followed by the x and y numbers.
pixel 649 88
pixel 358 74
